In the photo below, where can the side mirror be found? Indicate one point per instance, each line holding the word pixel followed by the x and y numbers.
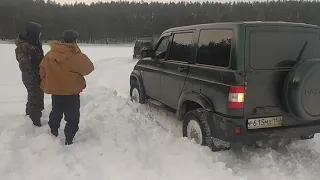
pixel 147 53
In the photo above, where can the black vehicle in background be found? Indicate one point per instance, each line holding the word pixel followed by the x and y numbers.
pixel 145 43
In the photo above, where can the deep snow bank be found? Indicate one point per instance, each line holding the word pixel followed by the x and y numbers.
pixel 117 140
pixel 122 140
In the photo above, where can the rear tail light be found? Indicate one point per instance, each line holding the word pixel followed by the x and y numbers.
pixel 236 97
pixel 237 130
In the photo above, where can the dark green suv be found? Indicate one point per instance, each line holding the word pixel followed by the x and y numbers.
pixel 235 83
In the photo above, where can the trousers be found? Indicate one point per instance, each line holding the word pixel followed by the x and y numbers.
pixel 69 106
pixel 35 104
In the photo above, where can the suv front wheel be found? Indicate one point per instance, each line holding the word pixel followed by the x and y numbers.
pixel 136 94
pixel 195 126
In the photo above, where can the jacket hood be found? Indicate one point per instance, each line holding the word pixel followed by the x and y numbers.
pixel 23 40
pixel 20 40
pixel 61 52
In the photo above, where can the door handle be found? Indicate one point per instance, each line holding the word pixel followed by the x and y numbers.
pixel 182 69
pixel 158 65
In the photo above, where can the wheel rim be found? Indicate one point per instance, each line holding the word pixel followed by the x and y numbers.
pixel 135 95
pixel 194 131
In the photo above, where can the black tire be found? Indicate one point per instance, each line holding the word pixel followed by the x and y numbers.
pixel 142 96
pixel 201 117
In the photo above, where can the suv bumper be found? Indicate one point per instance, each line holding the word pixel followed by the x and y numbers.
pixel 228 126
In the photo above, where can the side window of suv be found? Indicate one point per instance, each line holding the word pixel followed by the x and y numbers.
pixel 180 47
pixel 214 47
pixel 162 48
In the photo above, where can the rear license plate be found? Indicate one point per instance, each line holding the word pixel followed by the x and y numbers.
pixel 268 122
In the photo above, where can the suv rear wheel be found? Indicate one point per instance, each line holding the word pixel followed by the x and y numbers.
pixel 195 126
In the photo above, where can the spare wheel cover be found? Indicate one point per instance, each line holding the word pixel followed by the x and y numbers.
pixel 302 90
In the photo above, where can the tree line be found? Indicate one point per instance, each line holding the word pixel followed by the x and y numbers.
pixel 112 21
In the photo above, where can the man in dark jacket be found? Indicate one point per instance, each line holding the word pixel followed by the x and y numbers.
pixel 29 54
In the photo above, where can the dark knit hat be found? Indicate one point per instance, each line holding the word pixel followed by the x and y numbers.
pixel 69 36
pixel 33 30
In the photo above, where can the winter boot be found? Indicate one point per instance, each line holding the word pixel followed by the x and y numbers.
pixel 36 121
pixel 68 142
pixel 54 133
pixel 36 118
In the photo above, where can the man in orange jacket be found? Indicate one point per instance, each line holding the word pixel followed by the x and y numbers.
pixel 62 74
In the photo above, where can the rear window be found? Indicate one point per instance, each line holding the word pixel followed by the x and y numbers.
pixel 143 43
pixel 280 49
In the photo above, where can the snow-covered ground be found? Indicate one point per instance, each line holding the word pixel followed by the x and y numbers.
pixel 120 140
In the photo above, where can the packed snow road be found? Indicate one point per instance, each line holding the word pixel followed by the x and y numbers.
pixel 120 140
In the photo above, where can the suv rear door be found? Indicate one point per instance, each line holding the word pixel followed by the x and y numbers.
pixel 271 51
pixel 175 67
pixel 215 47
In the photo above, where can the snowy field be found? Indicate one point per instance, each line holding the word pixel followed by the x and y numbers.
pixel 120 140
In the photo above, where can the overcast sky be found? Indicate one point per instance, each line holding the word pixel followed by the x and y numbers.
pixel 89 1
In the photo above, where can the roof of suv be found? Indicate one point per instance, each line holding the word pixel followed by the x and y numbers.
pixel 246 23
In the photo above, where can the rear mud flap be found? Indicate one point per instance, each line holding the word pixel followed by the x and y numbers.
pixel 219 145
